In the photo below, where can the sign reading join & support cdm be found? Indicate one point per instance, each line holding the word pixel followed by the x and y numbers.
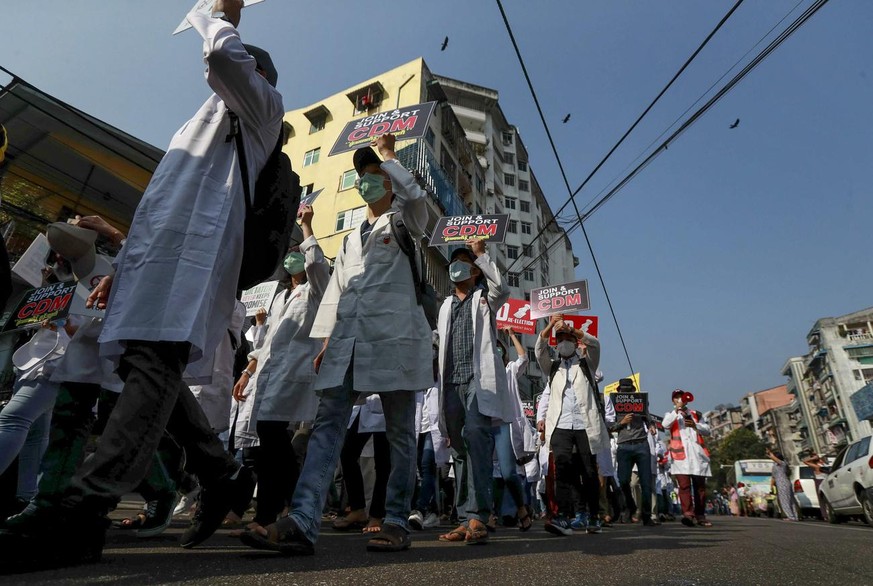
pixel 45 303
pixel 630 404
pixel 404 123
pixel 565 298
pixel 458 229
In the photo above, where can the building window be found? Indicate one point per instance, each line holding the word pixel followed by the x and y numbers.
pixel 480 185
pixel 526 227
pixel 512 253
pixel 526 250
pixel 528 275
pixel 509 158
pixel 522 165
pixel 527 295
pixel 512 279
pixel 448 165
pixel 509 179
pixel 513 226
pixel 348 180
pixel 350 219
pixel 311 157
pixel 507 139
pixel 307 189
pixel 523 185
pixel 531 355
pixel 509 203
pixel 525 206
pixel 317 124
pixel 430 137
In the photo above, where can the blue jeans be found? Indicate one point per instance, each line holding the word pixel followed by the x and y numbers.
pixel 325 445
pixel 506 460
pixel 427 468
pixel 472 449
pixel 627 455
pixel 24 430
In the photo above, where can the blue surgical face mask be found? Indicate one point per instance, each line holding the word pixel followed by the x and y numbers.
pixel 459 271
pixel 371 186
pixel 294 263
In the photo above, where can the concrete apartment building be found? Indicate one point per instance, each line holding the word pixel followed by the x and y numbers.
pixel 839 364
pixel 723 420
pixel 472 161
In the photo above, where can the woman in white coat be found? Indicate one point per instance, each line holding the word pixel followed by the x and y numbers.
pixel 279 377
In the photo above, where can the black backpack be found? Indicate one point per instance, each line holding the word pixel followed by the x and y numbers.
pixel 270 216
pixel 583 363
pixel 425 294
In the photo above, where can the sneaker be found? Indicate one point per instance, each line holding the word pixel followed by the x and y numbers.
pixel 580 523
pixel 187 502
pixel 431 521
pixel 649 522
pixel 216 501
pixel 416 520
pixel 595 527
pixel 158 513
pixel 559 526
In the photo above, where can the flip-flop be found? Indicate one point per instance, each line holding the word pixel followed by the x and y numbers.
pixel 391 538
pixel 525 522
pixel 283 537
pixel 344 524
pixel 456 535
pixel 132 522
pixel 477 536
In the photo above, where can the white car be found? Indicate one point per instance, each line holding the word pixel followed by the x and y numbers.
pixel 805 496
pixel 848 489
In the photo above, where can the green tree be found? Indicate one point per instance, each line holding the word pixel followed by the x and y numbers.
pixel 740 444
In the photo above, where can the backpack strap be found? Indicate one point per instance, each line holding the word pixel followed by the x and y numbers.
pixel 236 135
pixel 583 364
pixel 406 244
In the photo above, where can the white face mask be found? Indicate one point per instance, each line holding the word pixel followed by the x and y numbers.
pixel 566 348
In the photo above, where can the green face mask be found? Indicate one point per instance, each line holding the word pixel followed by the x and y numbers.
pixel 294 263
pixel 372 187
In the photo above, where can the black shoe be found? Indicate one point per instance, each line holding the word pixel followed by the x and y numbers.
pixel 13 507
pixel 216 501
pixel 688 521
pixel 649 522
pixel 159 514
pixel 283 537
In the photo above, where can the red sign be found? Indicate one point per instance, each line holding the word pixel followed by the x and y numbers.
pixel 516 313
pixel 586 323
pixel 568 297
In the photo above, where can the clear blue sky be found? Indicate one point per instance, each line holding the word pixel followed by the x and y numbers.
pixel 718 258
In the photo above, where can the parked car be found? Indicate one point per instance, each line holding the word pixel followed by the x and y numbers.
pixel 848 489
pixel 805 495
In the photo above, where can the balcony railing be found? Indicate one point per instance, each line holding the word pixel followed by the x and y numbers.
pixel 421 163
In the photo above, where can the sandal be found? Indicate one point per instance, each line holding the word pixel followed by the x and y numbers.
pixel 237 533
pixel 491 525
pixel 390 538
pixel 704 523
pixel 283 537
pixel 455 535
pixel 373 526
pixel 353 521
pixel 525 522
pixel 132 522
pixel 476 535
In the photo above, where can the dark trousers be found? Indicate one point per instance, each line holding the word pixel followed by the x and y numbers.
pixel 692 495
pixel 627 455
pixel 574 471
pixel 154 399
pixel 276 468
pixel 352 477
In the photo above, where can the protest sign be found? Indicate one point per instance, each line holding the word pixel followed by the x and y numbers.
pixel 564 298
pixel 309 198
pixel 458 229
pixel 29 267
pixel 259 296
pixel 204 7
pixel 613 387
pixel 516 314
pixel 586 323
pixel 630 403
pixel 51 303
pixel 529 410
pixel 404 123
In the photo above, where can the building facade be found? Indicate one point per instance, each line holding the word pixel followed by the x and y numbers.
pixel 839 364
pixel 472 161
pixel 723 420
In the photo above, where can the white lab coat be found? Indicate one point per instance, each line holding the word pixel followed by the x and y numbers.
pixel 177 274
pixel 595 426
pixel 427 418
pixel 369 310
pixel 372 416
pixel 521 431
pixel 489 374
pixel 282 386
pixel 696 462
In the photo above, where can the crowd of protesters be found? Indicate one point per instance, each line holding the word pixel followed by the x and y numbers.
pixel 341 406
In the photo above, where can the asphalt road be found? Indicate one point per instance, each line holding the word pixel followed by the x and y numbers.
pixel 735 551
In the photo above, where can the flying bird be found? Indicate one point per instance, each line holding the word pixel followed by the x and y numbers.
pixel 736 123
pixel 566 118
pixel 445 44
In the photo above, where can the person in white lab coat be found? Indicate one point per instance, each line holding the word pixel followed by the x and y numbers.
pixel 377 341
pixel 474 391
pixel 173 294
pixel 279 376
pixel 689 457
